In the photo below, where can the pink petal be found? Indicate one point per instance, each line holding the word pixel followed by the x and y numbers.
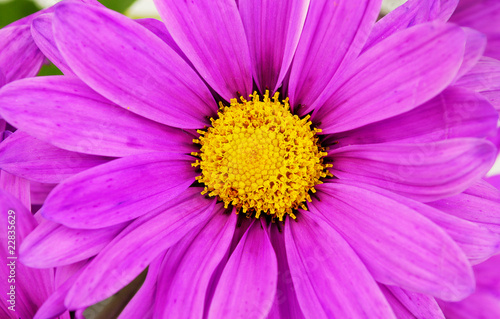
pixel 65 112
pixel 185 276
pixel 137 246
pixel 30 158
pixel 346 25
pixel 425 172
pixel 398 74
pixel 329 278
pixel 243 276
pixel 412 253
pixel 131 66
pixel 273 29
pixel 211 35
pixel 119 191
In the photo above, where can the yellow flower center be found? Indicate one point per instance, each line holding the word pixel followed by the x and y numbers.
pixel 260 158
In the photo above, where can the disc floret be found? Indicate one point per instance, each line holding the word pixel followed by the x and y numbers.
pixel 260 158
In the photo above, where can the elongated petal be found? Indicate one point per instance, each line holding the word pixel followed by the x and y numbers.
pixel 54 305
pixel 482 304
pixel 67 113
pixel 41 30
pixel 481 15
pixel 477 242
pixel 16 186
pixel 286 304
pixel 159 28
pixel 346 25
pixel 39 192
pixel 484 78
pixel 330 280
pixel 243 276
pixel 399 246
pixel 479 203
pixel 425 172
pixel 411 13
pixel 418 305
pixel 395 76
pixel 456 112
pixel 184 279
pixel 474 48
pixel 273 29
pixel 211 35
pixel 52 244
pixel 137 246
pixel 143 302
pixel 20 57
pixel 119 191
pixel 31 286
pixel 30 158
pixel 131 66
pixel 397 307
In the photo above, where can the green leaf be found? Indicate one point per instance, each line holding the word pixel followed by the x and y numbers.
pixel 14 10
pixel 117 5
pixel 49 69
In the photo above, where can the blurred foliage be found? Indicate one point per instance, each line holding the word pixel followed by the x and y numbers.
pixel 117 5
pixel 13 10
pixel 49 69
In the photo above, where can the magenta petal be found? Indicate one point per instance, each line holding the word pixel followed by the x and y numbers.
pixel 243 276
pixel 456 112
pixel 32 159
pixel 32 286
pixel 119 191
pixel 39 192
pixel 393 77
pixel 41 30
pixel 345 25
pixel 20 57
pixel 286 304
pixel 397 307
pixel 211 35
pixel 65 112
pixel 330 280
pixel 480 203
pixel 481 15
pixel 482 304
pixel 412 12
pixel 191 263
pixel 477 242
pixel 425 172
pixel 137 246
pixel 484 78
pixel 273 29
pixel 53 245
pixel 131 66
pixel 398 245
pixel 418 305
pixel 16 186
pixel 474 49
pixel 159 28
pixel 143 303
pixel 54 305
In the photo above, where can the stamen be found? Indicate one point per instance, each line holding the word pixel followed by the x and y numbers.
pixel 260 158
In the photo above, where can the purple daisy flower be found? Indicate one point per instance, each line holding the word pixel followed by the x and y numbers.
pixel 334 178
